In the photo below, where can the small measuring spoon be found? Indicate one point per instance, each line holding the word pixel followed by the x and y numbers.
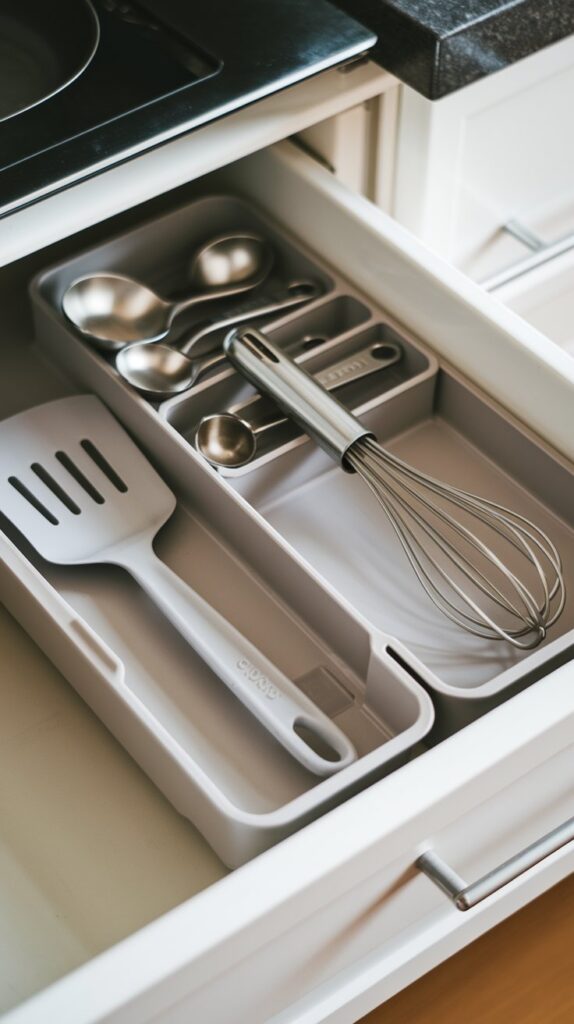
pixel 112 310
pixel 228 441
pixel 160 371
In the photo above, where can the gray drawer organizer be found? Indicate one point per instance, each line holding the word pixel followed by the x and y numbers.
pixel 291 550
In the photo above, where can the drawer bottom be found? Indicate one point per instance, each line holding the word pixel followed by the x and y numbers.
pixel 90 851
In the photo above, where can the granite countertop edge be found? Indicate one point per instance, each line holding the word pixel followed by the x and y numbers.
pixel 440 46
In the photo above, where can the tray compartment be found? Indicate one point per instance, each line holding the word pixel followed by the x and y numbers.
pixel 414 371
pixel 209 756
pixel 164 264
pixel 315 329
pixel 297 518
pixel 458 436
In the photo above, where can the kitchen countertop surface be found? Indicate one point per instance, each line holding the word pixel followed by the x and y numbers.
pixel 439 46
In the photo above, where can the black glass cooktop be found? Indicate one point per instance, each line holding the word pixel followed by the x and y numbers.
pixel 136 61
pixel 161 68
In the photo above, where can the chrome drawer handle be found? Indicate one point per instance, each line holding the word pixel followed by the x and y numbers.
pixel 465 896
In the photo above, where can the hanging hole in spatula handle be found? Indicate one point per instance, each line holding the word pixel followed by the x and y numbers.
pixel 320 741
pixel 269 694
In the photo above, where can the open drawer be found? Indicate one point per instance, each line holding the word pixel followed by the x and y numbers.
pixel 336 917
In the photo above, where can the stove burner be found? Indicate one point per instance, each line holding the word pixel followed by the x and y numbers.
pixel 43 47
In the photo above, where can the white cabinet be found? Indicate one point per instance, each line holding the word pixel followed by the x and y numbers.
pixel 496 152
pixel 358 146
pixel 336 918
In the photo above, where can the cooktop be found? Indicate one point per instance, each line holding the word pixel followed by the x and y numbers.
pixel 133 74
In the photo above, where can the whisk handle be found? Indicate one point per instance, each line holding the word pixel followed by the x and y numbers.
pixel 296 393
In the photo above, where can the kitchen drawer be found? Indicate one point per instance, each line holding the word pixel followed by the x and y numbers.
pixel 337 917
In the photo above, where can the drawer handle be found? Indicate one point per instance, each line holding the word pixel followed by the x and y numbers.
pixel 465 896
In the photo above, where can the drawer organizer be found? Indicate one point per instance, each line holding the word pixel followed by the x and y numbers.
pixel 292 551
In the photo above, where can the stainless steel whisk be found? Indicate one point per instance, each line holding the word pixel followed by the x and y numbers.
pixel 487 568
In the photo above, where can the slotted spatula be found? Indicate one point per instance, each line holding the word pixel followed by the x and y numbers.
pixel 79 489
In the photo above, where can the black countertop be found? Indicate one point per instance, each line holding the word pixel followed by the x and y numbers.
pixel 439 46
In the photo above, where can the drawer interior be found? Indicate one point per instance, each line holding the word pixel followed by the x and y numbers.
pixel 261 547
pixel 426 414
pixel 90 849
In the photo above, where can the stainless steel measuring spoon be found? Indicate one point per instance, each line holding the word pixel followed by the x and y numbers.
pixel 160 371
pixel 111 310
pixel 227 440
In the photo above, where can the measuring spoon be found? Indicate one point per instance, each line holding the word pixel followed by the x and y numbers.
pixel 160 371
pixel 228 441
pixel 112 310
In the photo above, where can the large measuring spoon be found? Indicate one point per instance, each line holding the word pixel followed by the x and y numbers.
pixel 111 310
pixel 160 371
pixel 228 441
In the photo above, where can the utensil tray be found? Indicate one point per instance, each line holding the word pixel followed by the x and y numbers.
pixel 252 513
pixel 462 437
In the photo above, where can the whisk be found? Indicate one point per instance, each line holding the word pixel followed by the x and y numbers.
pixel 487 568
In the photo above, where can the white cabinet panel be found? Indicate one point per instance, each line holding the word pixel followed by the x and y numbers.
pixel 500 149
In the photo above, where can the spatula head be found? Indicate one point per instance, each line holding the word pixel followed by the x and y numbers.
pixel 75 484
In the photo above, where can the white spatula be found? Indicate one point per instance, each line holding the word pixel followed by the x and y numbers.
pixel 78 488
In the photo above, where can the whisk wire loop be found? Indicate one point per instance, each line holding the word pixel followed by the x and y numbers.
pixel 428 583
pixel 404 493
pixel 488 569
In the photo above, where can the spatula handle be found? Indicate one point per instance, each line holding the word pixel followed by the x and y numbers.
pixel 270 696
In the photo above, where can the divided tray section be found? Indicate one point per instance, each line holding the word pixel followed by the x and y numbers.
pixel 331 519
pixel 218 765
pixel 330 334
pixel 159 255
pixel 310 534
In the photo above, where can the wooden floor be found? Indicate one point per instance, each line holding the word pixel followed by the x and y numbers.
pixel 521 972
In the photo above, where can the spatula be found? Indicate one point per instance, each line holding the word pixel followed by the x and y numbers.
pixel 78 488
